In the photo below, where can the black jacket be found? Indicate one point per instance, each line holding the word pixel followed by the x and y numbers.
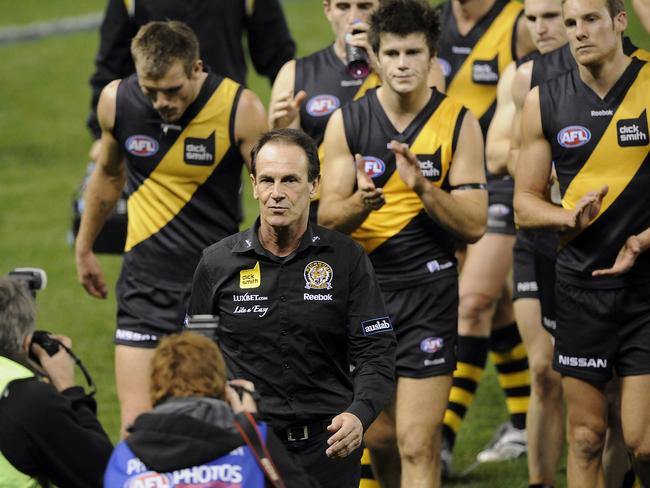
pixel 53 436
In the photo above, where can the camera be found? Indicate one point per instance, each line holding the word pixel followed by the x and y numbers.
pixel 34 278
pixel 46 341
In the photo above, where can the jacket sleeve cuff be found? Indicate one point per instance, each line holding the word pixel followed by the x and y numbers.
pixel 363 413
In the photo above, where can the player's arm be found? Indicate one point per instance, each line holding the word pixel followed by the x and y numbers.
pixel 104 189
pixel 342 207
pixel 520 88
pixel 532 207
pixel 642 9
pixel 497 144
pixel 250 123
pixel 463 211
pixel 284 107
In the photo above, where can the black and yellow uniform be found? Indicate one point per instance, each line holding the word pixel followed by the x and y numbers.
pixel 472 65
pixel 413 256
pixel 596 142
pixel 183 182
pixel 293 325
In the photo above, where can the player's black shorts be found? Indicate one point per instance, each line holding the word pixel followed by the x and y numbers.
pixel 601 331
pixel 501 217
pixel 523 270
pixel 425 319
pixel 146 313
pixel 545 274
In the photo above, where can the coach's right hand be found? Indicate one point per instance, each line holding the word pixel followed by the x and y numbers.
pixel 90 274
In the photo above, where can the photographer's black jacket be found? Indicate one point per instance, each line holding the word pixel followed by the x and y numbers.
pixel 51 435
pixel 294 325
pixel 219 26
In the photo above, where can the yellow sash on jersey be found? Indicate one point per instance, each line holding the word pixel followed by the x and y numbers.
pixel 171 185
pixel 609 164
pixel 497 40
pixel 641 54
pixel 402 204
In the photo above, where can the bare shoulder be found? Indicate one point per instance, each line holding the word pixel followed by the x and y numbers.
pixel 106 105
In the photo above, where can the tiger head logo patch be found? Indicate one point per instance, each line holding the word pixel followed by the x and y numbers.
pixel 318 276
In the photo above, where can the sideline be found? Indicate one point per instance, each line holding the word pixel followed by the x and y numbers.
pixel 48 28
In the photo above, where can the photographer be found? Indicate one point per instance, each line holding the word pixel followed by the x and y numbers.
pixel 190 436
pixel 49 432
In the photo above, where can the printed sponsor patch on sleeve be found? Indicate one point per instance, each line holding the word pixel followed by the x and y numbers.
pixel 375 326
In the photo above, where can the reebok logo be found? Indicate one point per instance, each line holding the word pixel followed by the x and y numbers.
pixel 311 297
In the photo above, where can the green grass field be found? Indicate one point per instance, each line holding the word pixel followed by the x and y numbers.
pixel 44 98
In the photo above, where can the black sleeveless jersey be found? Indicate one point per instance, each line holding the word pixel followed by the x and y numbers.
pixel 328 85
pixel 183 179
pixel 405 245
pixel 596 142
pixel 472 64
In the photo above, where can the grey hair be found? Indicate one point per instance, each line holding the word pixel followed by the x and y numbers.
pixel 17 314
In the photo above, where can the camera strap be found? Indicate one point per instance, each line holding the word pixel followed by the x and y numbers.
pixel 247 428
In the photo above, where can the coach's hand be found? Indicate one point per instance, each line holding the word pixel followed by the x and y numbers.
pixel 90 274
pixel 348 435
pixel 625 259
pixel 372 198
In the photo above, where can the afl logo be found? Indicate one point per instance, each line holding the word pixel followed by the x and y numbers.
pixel 318 276
pixel 573 136
pixel 322 105
pixel 149 479
pixel 374 167
pixel 142 146
pixel 445 66
pixel 432 344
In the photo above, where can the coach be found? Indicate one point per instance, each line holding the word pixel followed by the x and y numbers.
pixel 298 305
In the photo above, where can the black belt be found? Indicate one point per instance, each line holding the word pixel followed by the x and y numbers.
pixel 302 432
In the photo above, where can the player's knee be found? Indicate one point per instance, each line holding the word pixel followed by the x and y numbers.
pixel 472 306
pixel 418 445
pixel 588 440
pixel 380 436
pixel 545 382
pixel 637 440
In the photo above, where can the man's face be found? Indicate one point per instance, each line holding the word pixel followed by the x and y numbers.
pixel 174 92
pixel 545 23
pixel 593 34
pixel 281 186
pixel 343 13
pixel 404 62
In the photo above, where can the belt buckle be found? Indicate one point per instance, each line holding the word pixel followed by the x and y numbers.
pixel 293 430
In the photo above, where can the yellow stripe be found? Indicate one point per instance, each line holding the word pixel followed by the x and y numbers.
pixel 402 204
pixel 497 40
pixel 514 380
pixel 250 7
pixel 599 169
pixel 517 404
pixel 469 371
pixel 452 420
pixel 171 185
pixel 519 352
pixel 372 81
pixel 642 54
pixel 460 396
pixel 129 5
pixel 368 483
pixel 365 457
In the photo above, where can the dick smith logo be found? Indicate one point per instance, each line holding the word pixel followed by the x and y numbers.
pixel 430 165
pixel 486 72
pixel 198 151
pixel 375 326
pixel 633 132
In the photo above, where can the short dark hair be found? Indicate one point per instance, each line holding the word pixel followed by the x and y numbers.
pixel 404 17
pixel 17 314
pixel 294 137
pixel 158 45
